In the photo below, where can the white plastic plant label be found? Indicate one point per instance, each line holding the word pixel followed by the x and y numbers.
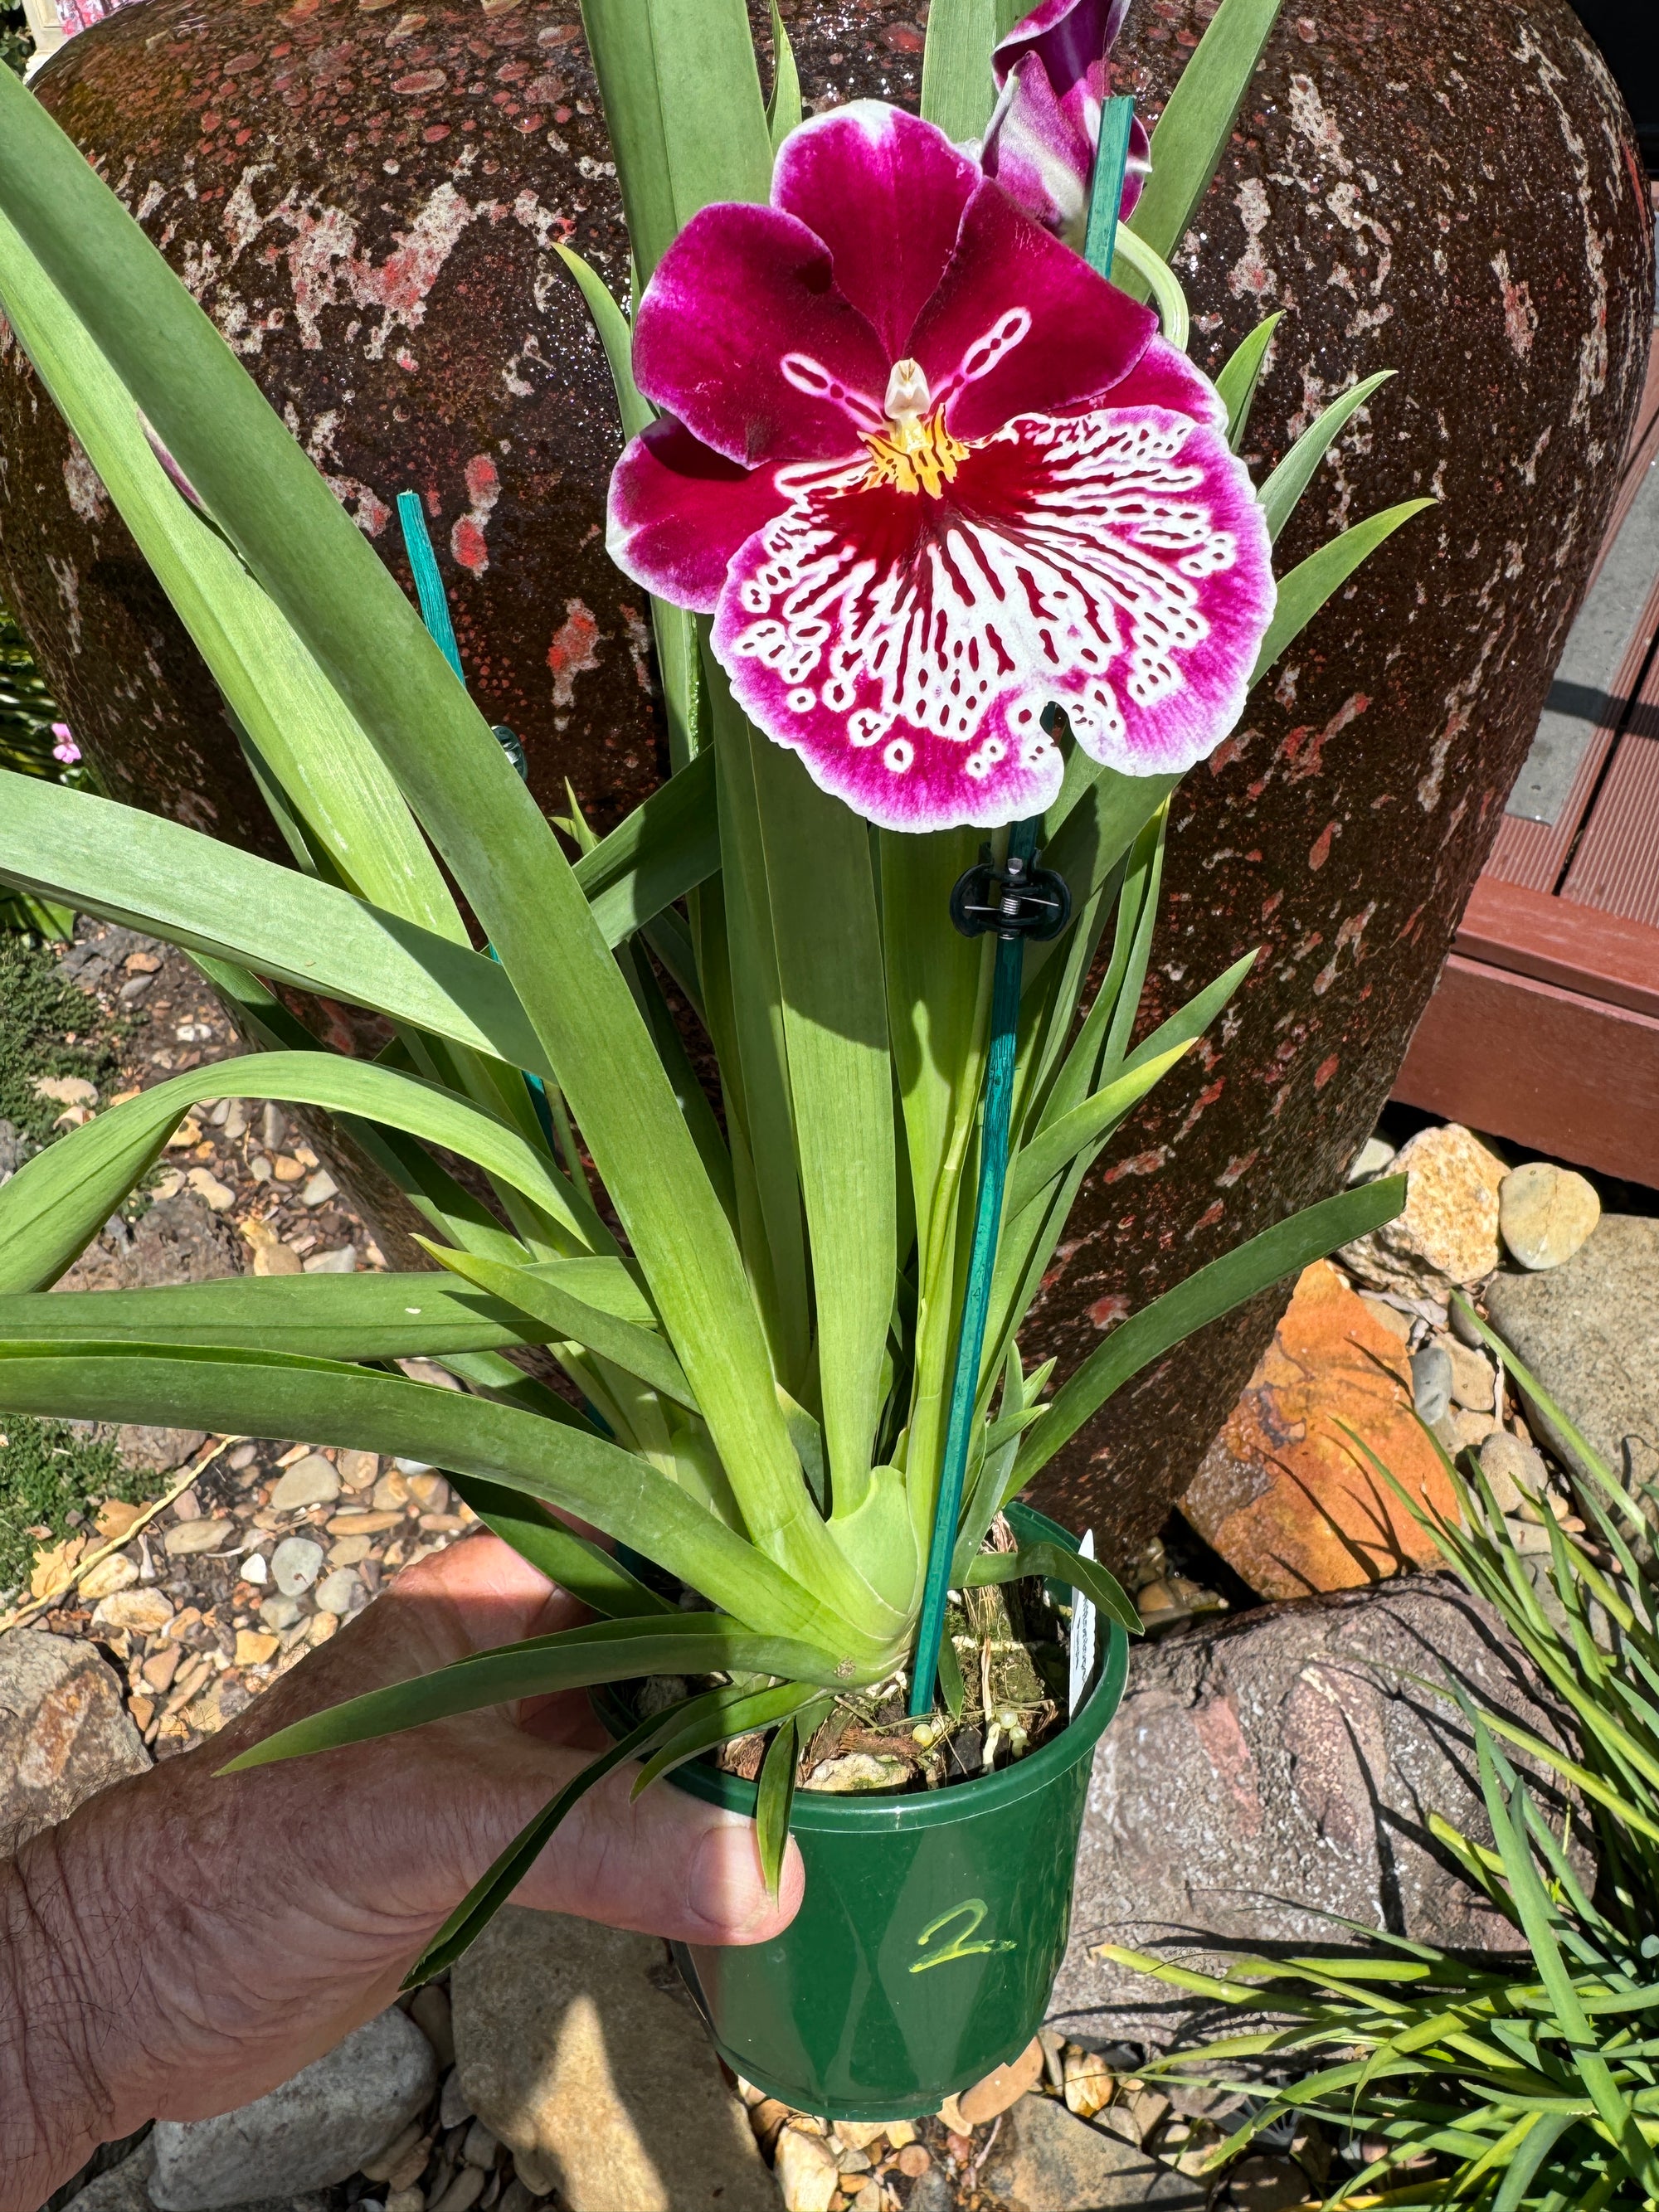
pixel 1083 1635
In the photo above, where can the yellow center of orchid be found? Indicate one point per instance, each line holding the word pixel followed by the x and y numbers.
pixel 916 451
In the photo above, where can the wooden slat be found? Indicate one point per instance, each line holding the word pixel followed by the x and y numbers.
pixel 1550 1069
pixel 1600 956
pixel 1615 868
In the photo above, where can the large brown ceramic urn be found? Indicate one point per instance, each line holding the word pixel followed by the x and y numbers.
pixel 366 196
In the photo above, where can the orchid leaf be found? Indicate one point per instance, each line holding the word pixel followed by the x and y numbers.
pixel 818 858
pixel 56 1200
pixel 1236 385
pixel 1192 133
pixel 615 336
pixel 1286 486
pixel 495 1888
pixel 296 722
pixel 273 1394
pixel 1283 1249
pixel 733 1711
pixel 1057 1563
pixel 775 1796
pixel 958 90
pixel 576 1564
pixel 1038 1163
pixel 566 1318
pixel 663 850
pixel 572 1659
pixel 683 105
pixel 362 1316
pixel 783 109
pixel 149 874
pixel 1322 575
pixel 345 605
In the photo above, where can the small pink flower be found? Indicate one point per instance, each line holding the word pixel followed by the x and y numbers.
pixel 930 474
pixel 1040 144
pixel 65 748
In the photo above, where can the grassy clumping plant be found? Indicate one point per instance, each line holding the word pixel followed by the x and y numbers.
pixel 1526 2080
pixel 763 1343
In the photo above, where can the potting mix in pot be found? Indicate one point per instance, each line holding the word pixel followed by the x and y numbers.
pixel 954 571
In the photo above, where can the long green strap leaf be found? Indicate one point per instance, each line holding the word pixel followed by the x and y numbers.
pixel 1060 1563
pixel 1282 1250
pixel 149 874
pixel 562 1466
pixel 1042 1160
pixel 348 609
pixel 682 95
pixel 1312 581
pixel 364 1317
pixel 1286 486
pixel 776 1800
pixel 575 1563
pixel 1193 131
pixel 574 1659
pixel 297 723
pixel 563 1318
pixel 734 1711
pixel 783 109
pixel 1236 386
pixel 59 1199
pixel 820 892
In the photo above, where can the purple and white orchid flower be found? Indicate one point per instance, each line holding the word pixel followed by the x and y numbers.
pixel 1040 142
pixel 931 474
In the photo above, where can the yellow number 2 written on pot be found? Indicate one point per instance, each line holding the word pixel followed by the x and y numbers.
pixel 969 1912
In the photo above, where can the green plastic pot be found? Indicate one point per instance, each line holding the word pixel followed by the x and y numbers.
pixel 932 1929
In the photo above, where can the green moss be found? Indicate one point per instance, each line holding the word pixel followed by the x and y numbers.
pixel 49 1470
pixel 48 1026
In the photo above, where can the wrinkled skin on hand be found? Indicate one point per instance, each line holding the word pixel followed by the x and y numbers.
pixel 186 1941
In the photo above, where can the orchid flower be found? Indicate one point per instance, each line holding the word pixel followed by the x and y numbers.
pixel 65 747
pixel 1040 142
pixel 931 474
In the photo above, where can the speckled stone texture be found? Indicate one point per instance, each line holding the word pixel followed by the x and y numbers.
pixel 367 197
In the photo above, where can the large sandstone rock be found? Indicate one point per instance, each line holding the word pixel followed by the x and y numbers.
pixel 367 199
pixel 315 2129
pixel 1284 1494
pixel 64 1733
pixel 1588 1330
pixel 1280 1768
pixel 579 2044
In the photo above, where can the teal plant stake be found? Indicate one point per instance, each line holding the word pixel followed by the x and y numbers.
pixel 429 584
pixel 435 613
pixel 1032 904
pixel 1106 194
pixel 1017 900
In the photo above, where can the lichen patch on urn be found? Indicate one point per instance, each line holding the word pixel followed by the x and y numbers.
pixel 933 477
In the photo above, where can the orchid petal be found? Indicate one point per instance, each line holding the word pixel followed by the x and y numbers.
pixel 1040 148
pixel 1163 377
pixel 744 335
pixel 679 511
pixel 885 192
pixel 1020 324
pixel 907 647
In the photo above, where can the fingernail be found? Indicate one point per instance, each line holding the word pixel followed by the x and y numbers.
pixel 724 1885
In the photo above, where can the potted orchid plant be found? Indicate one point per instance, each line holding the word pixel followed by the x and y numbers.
pixel 955 570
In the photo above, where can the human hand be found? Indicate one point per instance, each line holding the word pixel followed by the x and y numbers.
pixel 188 1940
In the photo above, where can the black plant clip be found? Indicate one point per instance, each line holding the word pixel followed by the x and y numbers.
pixel 1014 897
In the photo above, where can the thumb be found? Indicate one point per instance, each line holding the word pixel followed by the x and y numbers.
pixel 664 1863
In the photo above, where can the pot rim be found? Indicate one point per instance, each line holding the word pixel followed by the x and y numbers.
pixel 819 1809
